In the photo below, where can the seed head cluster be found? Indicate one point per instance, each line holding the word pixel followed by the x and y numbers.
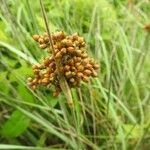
pixel 68 58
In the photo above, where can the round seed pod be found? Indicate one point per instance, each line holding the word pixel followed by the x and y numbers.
pixel 85 78
pixel 63 51
pixel 71 62
pixel 40 81
pixel 80 68
pixel 64 42
pixel 55 46
pixel 45 81
pixel 87 72
pixel 46 75
pixel 67 68
pixel 68 74
pixel 69 43
pixel 96 66
pixel 79 74
pixel 46 39
pixel 88 66
pixel 85 61
pixel 36 71
pixel 75 36
pixel 78 59
pixel 80 39
pixel 73 68
pixel 35 81
pixel 72 80
pixel 46 62
pixel 41 40
pixel 84 55
pixel 29 79
pixel 34 66
pixel 73 73
pixel 79 52
pixel 94 73
pixel 58 55
pixel 30 84
pixel 33 87
pixel 70 50
pixel 77 64
pixel 36 37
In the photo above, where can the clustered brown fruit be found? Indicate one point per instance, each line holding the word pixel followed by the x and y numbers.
pixel 68 58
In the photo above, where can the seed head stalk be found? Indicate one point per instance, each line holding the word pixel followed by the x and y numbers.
pixel 62 81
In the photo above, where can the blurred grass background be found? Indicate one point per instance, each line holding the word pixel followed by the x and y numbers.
pixel 112 111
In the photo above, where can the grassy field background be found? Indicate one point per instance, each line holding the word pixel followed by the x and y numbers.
pixel 112 111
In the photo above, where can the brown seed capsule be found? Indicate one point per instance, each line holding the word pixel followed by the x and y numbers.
pixel 83 50
pixel 91 60
pixel 68 74
pixel 34 66
pixel 30 84
pixel 64 42
pixel 78 59
pixel 56 51
pixel 29 79
pixel 85 78
pixel 94 73
pixel 52 75
pixel 39 81
pixel 46 75
pixel 71 62
pixel 52 64
pixel 80 39
pixel 36 37
pixel 69 43
pixel 33 87
pixel 46 39
pixel 84 55
pixel 36 71
pixel 78 52
pixel 72 80
pixel 45 80
pixel 35 81
pixel 70 49
pixel 79 74
pixel 51 78
pixel 88 66
pixel 63 51
pixel 41 40
pixel 85 61
pixel 87 72
pixel 96 66
pixel 83 44
pixel 55 46
pixel 43 46
pixel 73 68
pixel 67 68
pixel 76 43
pixel 46 62
pixel 77 64
pixel 75 36
pixel 73 73
pixel 80 68
pixel 58 55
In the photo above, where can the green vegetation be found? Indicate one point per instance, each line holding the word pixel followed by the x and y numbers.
pixel 112 111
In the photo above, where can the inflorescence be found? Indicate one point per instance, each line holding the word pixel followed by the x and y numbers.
pixel 67 57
